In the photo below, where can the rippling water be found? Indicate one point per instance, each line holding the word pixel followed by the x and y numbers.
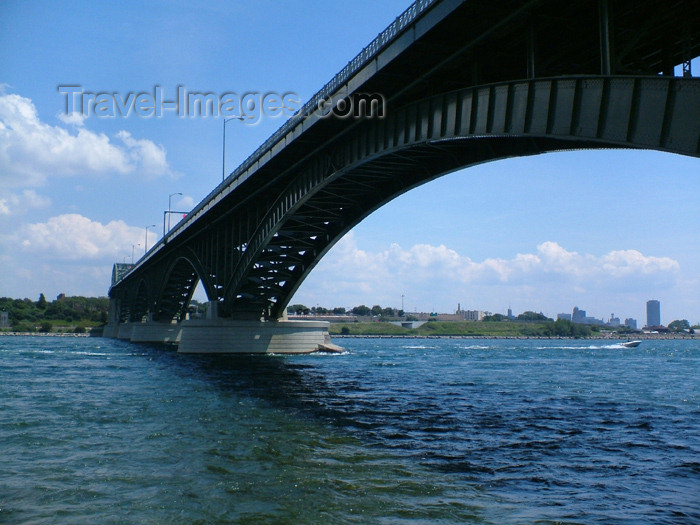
pixel 420 431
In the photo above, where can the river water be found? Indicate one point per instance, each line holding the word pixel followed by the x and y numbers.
pixel 392 431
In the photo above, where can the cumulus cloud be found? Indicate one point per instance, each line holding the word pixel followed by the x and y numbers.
pixel 144 153
pixel 31 150
pixel 12 203
pixel 439 271
pixel 184 204
pixel 74 118
pixel 75 237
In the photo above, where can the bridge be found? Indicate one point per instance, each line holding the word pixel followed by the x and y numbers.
pixel 448 85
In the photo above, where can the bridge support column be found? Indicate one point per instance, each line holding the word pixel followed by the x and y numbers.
pixel 124 330
pixel 607 42
pixel 154 332
pixel 226 336
pixel 111 329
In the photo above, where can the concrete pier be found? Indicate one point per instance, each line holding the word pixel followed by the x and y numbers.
pixel 110 330
pixel 216 335
pixel 125 330
pixel 224 336
pixel 153 332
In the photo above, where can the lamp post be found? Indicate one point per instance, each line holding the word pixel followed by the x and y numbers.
pixel 223 147
pixel 169 201
pixel 145 246
pixel 132 251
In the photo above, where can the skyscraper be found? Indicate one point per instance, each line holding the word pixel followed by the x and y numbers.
pixel 653 313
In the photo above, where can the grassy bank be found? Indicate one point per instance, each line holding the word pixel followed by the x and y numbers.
pixel 466 328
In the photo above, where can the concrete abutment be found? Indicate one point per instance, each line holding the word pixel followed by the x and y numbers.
pixel 215 335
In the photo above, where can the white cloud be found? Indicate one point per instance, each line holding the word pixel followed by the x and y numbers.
pixel 550 259
pixel 74 118
pixel 75 237
pixel 144 153
pixel 14 203
pixel 184 204
pixel 439 274
pixel 31 150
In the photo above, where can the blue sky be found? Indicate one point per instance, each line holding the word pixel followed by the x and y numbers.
pixel 605 231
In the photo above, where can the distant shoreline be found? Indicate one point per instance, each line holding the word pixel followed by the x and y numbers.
pixel 43 334
pixel 645 337
pixel 596 338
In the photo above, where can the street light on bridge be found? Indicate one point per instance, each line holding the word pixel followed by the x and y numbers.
pixel 145 247
pixel 168 214
pixel 132 251
pixel 223 148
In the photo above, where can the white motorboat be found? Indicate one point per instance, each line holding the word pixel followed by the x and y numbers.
pixel 631 344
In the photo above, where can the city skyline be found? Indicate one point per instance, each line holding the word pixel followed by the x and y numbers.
pixel 582 319
pixel 608 229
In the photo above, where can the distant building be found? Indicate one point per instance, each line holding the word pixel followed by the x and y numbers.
pixel 580 317
pixel 473 315
pixel 614 321
pixel 631 323
pixel 4 320
pixel 465 315
pixel 565 317
pixel 653 313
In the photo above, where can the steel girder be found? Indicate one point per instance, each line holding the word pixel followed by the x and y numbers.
pixel 163 290
pixel 253 252
pixel 382 159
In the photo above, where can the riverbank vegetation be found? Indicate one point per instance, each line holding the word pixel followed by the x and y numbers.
pixel 79 314
pixel 64 314
pixel 560 328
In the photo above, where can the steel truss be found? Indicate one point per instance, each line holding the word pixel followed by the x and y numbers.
pixel 255 247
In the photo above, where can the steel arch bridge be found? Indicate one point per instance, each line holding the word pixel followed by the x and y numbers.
pixel 463 84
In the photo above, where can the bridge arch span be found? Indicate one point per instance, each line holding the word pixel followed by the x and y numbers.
pixel 178 284
pixel 378 160
pixel 142 302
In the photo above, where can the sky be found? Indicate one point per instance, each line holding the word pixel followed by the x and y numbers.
pixel 605 230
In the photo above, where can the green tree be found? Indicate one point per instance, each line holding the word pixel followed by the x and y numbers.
pixel 563 328
pixel 89 309
pixel 376 310
pixel 45 326
pixel 532 316
pixel 362 310
pixel 388 312
pixel 580 330
pixel 679 325
pixel 297 309
pixel 41 303
pixel 24 326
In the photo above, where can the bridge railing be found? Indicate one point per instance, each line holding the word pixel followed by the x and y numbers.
pixel 361 59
